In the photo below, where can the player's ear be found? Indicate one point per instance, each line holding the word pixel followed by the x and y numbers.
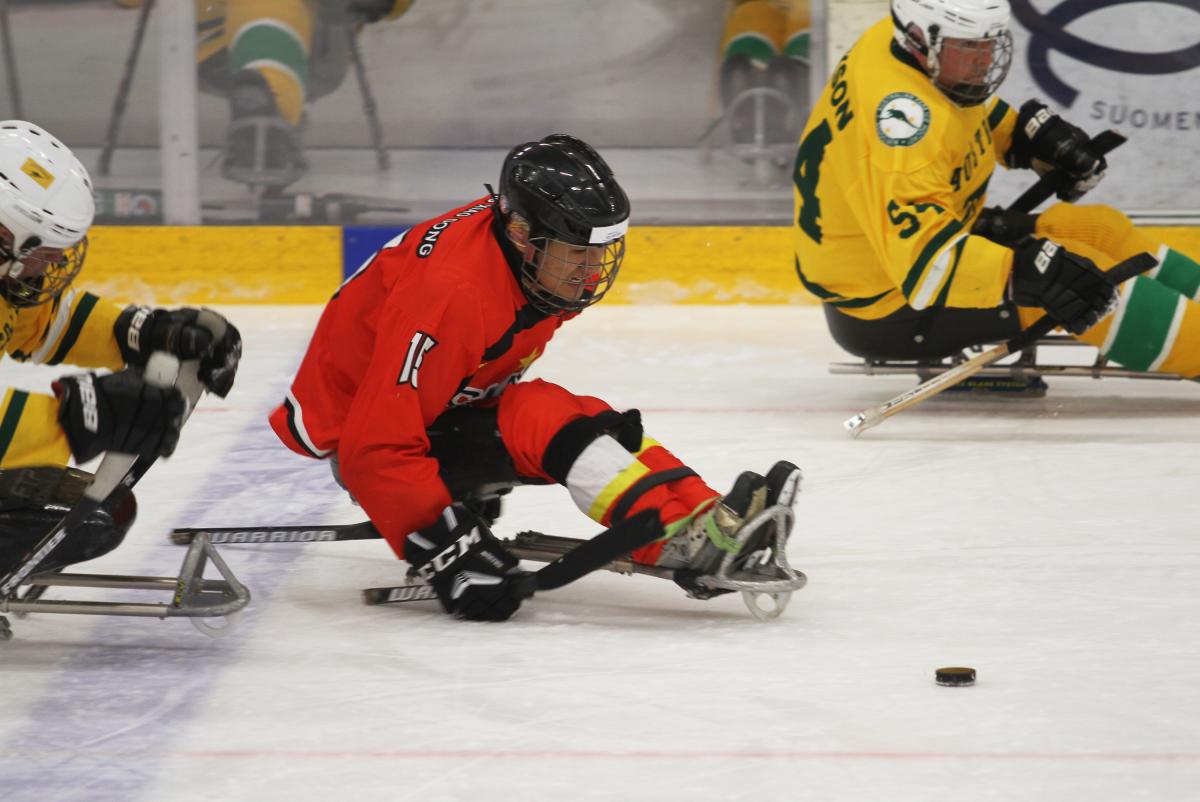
pixel 518 231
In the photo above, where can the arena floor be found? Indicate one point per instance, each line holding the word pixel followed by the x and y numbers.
pixel 1050 544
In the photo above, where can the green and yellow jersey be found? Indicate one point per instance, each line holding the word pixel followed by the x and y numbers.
pixel 75 329
pixel 889 177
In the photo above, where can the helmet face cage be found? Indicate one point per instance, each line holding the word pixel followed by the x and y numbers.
pixel 34 274
pixel 560 277
pixel 969 71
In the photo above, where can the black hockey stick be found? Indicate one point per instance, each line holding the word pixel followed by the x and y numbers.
pixel 277 534
pixel 590 555
pixel 1055 180
pixel 868 418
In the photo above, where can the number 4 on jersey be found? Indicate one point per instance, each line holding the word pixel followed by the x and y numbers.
pixel 806 176
pixel 420 345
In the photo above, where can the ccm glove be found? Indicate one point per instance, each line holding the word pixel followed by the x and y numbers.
pixel 474 576
pixel 1072 290
pixel 1004 227
pixel 1043 140
pixel 118 412
pixel 140 331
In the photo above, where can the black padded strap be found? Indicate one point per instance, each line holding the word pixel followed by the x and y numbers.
pixel 646 483
pixel 571 440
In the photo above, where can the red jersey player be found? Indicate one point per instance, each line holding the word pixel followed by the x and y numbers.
pixel 411 386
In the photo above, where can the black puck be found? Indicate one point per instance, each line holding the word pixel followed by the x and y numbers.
pixel 955 676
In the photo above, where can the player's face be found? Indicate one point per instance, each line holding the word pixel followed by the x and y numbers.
pixel 966 61
pixel 33 263
pixel 970 71
pixel 567 271
pixel 36 275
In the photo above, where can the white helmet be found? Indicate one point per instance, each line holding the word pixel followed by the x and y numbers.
pixel 965 44
pixel 46 209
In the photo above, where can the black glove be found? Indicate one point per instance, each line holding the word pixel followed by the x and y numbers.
pixel 1070 287
pixel 141 330
pixel 474 575
pixel 118 412
pixel 1004 227
pixel 1042 139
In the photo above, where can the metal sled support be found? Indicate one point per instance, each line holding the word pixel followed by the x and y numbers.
pixel 193 596
pixel 763 574
pixel 1024 367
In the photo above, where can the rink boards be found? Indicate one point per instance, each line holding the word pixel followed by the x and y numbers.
pixel 305 264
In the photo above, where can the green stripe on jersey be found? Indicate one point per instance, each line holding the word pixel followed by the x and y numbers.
pixel 997 115
pixel 12 416
pixel 82 310
pixel 1144 330
pixel 832 298
pixel 1179 273
pixel 938 241
pixel 263 42
pixel 754 45
pixel 945 293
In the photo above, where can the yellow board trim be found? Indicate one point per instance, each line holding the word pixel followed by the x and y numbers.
pixel 171 265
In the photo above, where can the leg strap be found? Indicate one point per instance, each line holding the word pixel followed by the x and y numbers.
pixel 645 484
pixel 573 438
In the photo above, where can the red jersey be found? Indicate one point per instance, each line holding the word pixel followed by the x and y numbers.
pixel 436 319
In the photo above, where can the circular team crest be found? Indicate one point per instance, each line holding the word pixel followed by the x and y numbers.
pixel 902 119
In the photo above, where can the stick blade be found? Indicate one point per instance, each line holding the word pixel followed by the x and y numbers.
pixel 399 593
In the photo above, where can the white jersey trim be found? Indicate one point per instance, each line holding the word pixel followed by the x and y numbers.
pixel 298 420
pixel 57 326
pixel 933 277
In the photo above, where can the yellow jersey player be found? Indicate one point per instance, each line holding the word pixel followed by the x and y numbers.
pixel 46 209
pixel 891 230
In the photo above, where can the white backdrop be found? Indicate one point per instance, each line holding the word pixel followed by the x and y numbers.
pixel 1133 65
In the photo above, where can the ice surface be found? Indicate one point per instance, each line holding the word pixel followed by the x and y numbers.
pixel 1048 543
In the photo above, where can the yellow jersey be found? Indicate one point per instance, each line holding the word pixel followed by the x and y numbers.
pixel 889 178
pixel 75 329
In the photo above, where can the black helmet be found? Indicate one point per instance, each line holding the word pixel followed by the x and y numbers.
pixel 564 191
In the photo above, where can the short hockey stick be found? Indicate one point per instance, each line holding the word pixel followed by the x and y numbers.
pixel 115 469
pixel 1102 143
pixel 590 555
pixel 1030 199
pixel 869 418
pixel 162 370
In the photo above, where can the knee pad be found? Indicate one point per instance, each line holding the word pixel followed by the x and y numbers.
pixel 602 487
pixel 32 502
pixel 571 440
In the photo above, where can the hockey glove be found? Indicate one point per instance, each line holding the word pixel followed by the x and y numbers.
pixel 118 412
pixel 1072 290
pixel 141 330
pixel 1043 140
pixel 1004 227
pixel 474 576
